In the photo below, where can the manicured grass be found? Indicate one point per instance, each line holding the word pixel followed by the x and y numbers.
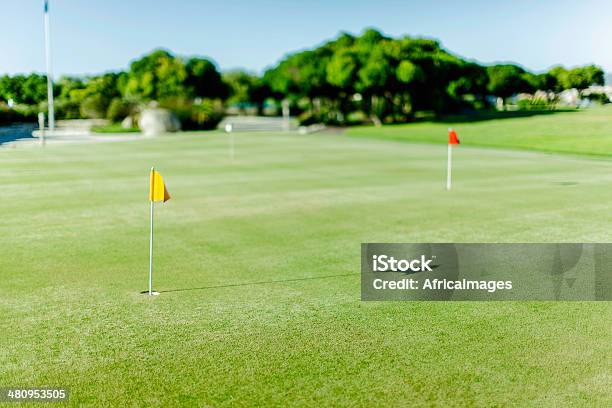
pixel 258 262
pixel 576 132
pixel 113 128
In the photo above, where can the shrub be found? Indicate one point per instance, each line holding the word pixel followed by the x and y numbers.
pixel 533 104
pixel 8 115
pixel 307 119
pixel 94 106
pixel 118 109
pixel 68 109
pixel 600 98
pixel 204 115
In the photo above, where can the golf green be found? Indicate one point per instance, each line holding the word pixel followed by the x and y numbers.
pixel 257 261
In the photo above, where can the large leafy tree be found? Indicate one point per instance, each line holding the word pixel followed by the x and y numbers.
pixel 27 89
pixel 156 76
pixel 386 77
pixel 375 74
pixel 204 80
pixel 506 80
pixel 579 78
pixel 161 75
pixel 34 89
pixel 245 89
pixel 342 71
pixel 9 88
pixel 301 75
pixel 543 82
pixel 88 97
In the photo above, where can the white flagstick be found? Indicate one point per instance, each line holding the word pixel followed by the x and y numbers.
pixel 152 182
pixel 49 73
pixel 449 167
pixel 232 149
pixel 229 129
pixel 151 254
pixel 286 107
pixel 41 127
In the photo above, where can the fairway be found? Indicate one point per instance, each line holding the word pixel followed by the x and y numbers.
pixel 258 263
pixel 585 132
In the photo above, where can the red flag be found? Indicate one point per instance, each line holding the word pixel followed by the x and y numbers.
pixel 452 137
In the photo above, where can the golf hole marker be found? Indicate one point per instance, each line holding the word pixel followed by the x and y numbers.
pixel 452 140
pixel 229 130
pixel 157 192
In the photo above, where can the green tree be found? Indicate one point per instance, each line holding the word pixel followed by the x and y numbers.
pixel 94 106
pixel 246 89
pixel 26 89
pixel 375 75
pixel 543 82
pixel 118 109
pixel 204 80
pixel 9 88
pixel 341 72
pixel 594 74
pixel 156 76
pixel 579 78
pixel 472 81
pixel 408 73
pixel 506 80
pixel 161 75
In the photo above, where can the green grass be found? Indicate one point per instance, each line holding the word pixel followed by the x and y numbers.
pixel 258 262
pixel 586 132
pixel 113 128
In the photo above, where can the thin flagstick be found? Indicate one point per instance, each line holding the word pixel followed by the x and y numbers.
pixel 151 237
pixel 232 153
pixel 229 130
pixel 49 73
pixel 449 167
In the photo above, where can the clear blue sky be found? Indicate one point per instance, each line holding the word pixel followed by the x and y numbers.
pixel 99 35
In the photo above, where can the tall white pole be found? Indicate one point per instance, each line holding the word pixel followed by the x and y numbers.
pixel 49 70
pixel 151 239
pixel 449 167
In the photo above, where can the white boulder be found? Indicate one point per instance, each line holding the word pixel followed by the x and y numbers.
pixel 127 122
pixel 157 121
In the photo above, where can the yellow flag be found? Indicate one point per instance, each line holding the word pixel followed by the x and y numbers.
pixel 157 190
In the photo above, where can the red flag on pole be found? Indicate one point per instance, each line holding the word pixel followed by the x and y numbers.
pixel 452 140
pixel 452 137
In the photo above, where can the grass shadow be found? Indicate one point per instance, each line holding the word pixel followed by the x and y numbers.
pixel 258 283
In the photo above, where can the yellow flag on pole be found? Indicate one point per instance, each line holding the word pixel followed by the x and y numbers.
pixel 157 190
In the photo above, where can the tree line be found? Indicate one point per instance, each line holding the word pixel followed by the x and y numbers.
pixel 366 77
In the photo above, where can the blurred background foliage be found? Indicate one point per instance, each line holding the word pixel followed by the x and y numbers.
pixel 370 77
